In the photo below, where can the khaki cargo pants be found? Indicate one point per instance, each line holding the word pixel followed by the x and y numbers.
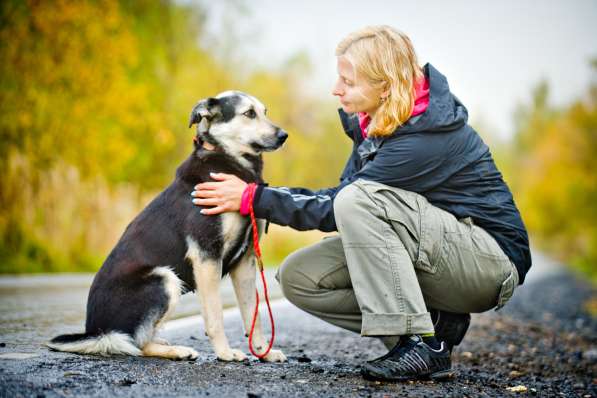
pixel 396 256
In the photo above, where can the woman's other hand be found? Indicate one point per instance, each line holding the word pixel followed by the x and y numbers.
pixel 225 193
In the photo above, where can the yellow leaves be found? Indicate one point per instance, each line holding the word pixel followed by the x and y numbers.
pixel 556 183
pixel 95 98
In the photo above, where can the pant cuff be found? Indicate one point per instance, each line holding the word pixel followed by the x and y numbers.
pixel 396 324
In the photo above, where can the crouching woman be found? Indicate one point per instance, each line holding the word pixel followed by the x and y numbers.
pixel 428 231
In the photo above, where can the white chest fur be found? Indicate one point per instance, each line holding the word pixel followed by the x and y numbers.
pixel 232 227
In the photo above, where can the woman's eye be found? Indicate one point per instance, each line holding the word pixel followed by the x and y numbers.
pixel 250 114
pixel 347 82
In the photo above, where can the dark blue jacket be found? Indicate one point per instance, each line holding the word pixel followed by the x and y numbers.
pixel 436 154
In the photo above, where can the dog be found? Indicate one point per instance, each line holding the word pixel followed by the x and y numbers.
pixel 170 248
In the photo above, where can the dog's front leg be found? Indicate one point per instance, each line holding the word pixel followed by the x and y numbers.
pixel 207 278
pixel 243 280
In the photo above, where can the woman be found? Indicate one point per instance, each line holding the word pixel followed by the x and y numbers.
pixel 426 224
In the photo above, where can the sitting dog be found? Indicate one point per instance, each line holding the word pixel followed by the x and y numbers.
pixel 170 248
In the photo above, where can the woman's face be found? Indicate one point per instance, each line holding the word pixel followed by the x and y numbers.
pixel 353 91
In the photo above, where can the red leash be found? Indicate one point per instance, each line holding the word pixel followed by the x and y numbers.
pixel 252 187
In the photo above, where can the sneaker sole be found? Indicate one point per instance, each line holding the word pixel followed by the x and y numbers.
pixel 437 376
pixel 444 375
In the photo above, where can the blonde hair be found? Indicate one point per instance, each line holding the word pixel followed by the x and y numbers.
pixel 386 58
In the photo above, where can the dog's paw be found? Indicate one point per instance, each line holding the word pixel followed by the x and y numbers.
pixel 159 340
pixel 231 355
pixel 183 353
pixel 275 356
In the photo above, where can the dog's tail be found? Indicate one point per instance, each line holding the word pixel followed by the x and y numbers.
pixel 112 343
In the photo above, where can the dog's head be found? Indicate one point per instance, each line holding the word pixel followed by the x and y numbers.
pixel 237 123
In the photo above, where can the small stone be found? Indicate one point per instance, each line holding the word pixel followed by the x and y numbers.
pixel 466 354
pixel 591 354
pixel 519 388
pixel 2 344
pixel 283 377
pixel 72 373
pixel 515 373
pixel 253 395
pixel 304 359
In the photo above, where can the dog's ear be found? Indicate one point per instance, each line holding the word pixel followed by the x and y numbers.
pixel 207 108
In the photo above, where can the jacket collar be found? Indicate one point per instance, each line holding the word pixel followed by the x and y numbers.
pixel 350 124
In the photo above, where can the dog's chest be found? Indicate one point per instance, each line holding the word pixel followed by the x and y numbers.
pixel 233 229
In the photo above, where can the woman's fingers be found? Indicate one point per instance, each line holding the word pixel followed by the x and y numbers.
pixel 221 176
pixel 214 185
pixel 224 194
pixel 205 194
pixel 207 185
pixel 207 202
pixel 214 210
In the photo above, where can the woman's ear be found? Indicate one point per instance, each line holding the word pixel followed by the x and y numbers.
pixel 385 86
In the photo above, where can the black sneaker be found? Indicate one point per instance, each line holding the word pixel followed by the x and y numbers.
pixel 449 327
pixel 411 359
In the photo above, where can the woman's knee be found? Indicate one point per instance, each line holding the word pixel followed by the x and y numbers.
pixel 292 281
pixel 350 200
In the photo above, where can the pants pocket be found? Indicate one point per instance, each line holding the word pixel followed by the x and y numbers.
pixel 506 290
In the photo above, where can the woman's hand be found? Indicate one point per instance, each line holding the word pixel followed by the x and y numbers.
pixel 225 193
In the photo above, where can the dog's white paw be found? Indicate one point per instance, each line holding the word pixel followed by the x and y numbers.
pixel 159 340
pixel 231 355
pixel 180 352
pixel 275 356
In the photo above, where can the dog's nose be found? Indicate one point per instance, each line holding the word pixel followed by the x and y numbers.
pixel 282 135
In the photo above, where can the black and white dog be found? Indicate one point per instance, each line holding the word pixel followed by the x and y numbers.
pixel 171 248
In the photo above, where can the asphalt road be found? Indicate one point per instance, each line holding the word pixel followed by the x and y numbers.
pixel 543 342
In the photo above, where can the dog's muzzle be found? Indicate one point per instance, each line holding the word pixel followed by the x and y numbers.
pixel 272 143
pixel 281 135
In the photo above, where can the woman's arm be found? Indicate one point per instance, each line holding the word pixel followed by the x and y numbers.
pixel 299 208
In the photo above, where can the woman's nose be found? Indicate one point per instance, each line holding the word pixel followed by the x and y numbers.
pixel 337 90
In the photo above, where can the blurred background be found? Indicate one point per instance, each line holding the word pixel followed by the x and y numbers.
pixel 95 97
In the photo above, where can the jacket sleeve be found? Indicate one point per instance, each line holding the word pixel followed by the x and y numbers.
pixel 301 208
pixel 298 208
pixel 396 164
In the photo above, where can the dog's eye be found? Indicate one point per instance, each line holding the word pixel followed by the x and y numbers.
pixel 250 114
